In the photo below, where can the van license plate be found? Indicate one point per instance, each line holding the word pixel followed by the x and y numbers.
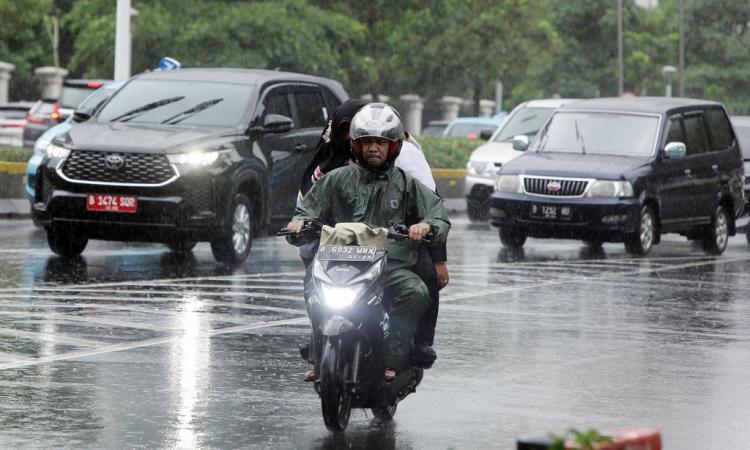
pixel 112 203
pixel 551 212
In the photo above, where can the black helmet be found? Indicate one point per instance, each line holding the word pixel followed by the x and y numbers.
pixel 377 120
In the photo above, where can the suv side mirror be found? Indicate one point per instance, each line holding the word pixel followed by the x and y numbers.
pixel 276 123
pixel 520 142
pixel 485 135
pixel 675 150
pixel 82 115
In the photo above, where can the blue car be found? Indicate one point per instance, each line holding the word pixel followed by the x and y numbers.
pixel 95 100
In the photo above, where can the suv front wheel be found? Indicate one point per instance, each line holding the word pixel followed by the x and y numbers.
pixel 512 237
pixel 66 240
pixel 640 242
pixel 233 245
pixel 716 237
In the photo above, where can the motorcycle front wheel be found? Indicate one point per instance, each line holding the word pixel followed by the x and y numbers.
pixel 336 403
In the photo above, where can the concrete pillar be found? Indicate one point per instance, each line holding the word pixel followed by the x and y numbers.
pixel 412 113
pixel 5 70
pixel 52 79
pixel 486 108
pixel 450 107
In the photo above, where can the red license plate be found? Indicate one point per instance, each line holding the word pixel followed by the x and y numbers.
pixel 112 203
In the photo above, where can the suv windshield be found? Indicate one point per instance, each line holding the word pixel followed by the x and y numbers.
pixel 178 101
pixel 599 132
pixel 526 121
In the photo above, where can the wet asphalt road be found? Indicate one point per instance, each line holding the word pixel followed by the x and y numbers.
pixel 133 347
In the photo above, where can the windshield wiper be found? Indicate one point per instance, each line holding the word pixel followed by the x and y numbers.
pixel 192 111
pixel 579 137
pixel 147 107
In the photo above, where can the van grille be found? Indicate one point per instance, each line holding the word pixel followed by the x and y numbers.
pixel 138 168
pixel 555 187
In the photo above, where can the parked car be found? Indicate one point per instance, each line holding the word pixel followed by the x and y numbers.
pixel 184 156
pixel 741 125
pixel 484 163
pixel 435 128
pixel 472 127
pixel 12 123
pixel 47 113
pixel 85 110
pixel 625 169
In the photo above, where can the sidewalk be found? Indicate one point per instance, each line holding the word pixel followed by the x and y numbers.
pixel 19 207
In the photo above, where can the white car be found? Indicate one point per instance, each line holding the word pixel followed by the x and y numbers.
pixel 522 124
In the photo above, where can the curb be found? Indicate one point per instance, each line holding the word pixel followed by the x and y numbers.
pixel 12 167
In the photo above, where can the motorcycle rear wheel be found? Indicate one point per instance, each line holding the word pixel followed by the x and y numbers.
pixel 335 401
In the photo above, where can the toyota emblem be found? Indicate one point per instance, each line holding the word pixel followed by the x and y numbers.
pixel 114 162
pixel 554 186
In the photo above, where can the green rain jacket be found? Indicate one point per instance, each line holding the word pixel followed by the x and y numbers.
pixel 379 199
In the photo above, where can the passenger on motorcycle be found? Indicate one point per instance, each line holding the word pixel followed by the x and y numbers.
pixel 375 192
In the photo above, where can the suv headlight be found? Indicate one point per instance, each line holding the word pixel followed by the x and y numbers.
pixel 40 146
pixel 195 159
pixel 604 188
pixel 57 152
pixel 508 183
pixel 481 169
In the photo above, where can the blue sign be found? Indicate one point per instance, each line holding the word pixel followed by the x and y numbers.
pixel 168 63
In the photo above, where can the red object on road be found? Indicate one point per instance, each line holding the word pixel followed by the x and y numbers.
pixel 629 439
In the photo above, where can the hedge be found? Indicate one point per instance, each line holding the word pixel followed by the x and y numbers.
pixel 15 154
pixel 447 152
pixel 441 152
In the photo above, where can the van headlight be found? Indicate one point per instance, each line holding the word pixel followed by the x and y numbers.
pixel 481 169
pixel 604 188
pixel 195 159
pixel 56 152
pixel 508 183
pixel 339 297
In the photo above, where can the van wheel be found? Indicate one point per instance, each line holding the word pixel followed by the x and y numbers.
pixel 233 245
pixel 512 237
pixel 641 242
pixel 66 241
pixel 715 240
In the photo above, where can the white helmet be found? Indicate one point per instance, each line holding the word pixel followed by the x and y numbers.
pixel 377 120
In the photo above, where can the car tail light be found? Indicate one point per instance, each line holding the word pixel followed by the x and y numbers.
pixel 14 125
pixel 55 114
pixel 32 119
pixel 94 84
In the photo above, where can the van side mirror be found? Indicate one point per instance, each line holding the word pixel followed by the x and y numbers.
pixel 485 135
pixel 276 123
pixel 83 114
pixel 520 142
pixel 675 150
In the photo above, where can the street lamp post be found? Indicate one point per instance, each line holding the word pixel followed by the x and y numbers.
pixel 668 71
pixel 122 40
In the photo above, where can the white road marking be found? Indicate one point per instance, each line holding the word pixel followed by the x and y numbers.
pixel 55 338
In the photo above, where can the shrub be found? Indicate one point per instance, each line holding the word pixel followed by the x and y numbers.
pixel 15 154
pixel 447 152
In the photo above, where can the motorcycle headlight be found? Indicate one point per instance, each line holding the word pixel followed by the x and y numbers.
pixel 57 152
pixel 195 159
pixel 481 169
pixel 339 297
pixel 604 188
pixel 40 146
pixel 508 183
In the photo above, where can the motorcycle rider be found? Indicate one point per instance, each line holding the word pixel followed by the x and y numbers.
pixel 375 192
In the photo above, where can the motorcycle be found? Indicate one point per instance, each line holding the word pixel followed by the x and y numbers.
pixel 350 328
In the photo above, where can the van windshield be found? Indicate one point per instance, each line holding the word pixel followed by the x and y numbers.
pixel 186 102
pixel 599 132
pixel 526 121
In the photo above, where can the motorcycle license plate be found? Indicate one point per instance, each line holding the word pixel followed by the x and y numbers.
pixel 112 203
pixel 346 253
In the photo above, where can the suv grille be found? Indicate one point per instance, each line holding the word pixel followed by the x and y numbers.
pixel 555 187
pixel 137 168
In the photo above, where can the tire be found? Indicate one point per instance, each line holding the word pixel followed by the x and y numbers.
pixel 384 413
pixel 642 241
pixel 478 207
pixel 715 240
pixel 335 401
pixel 747 234
pixel 233 245
pixel 181 246
pixel 512 237
pixel 66 241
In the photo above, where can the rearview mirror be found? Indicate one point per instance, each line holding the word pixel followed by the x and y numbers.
pixel 520 142
pixel 675 150
pixel 485 135
pixel 276 123
pixel 83 114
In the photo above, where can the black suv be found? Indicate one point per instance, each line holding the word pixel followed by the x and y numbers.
pixel 185 156
pixel 625 169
